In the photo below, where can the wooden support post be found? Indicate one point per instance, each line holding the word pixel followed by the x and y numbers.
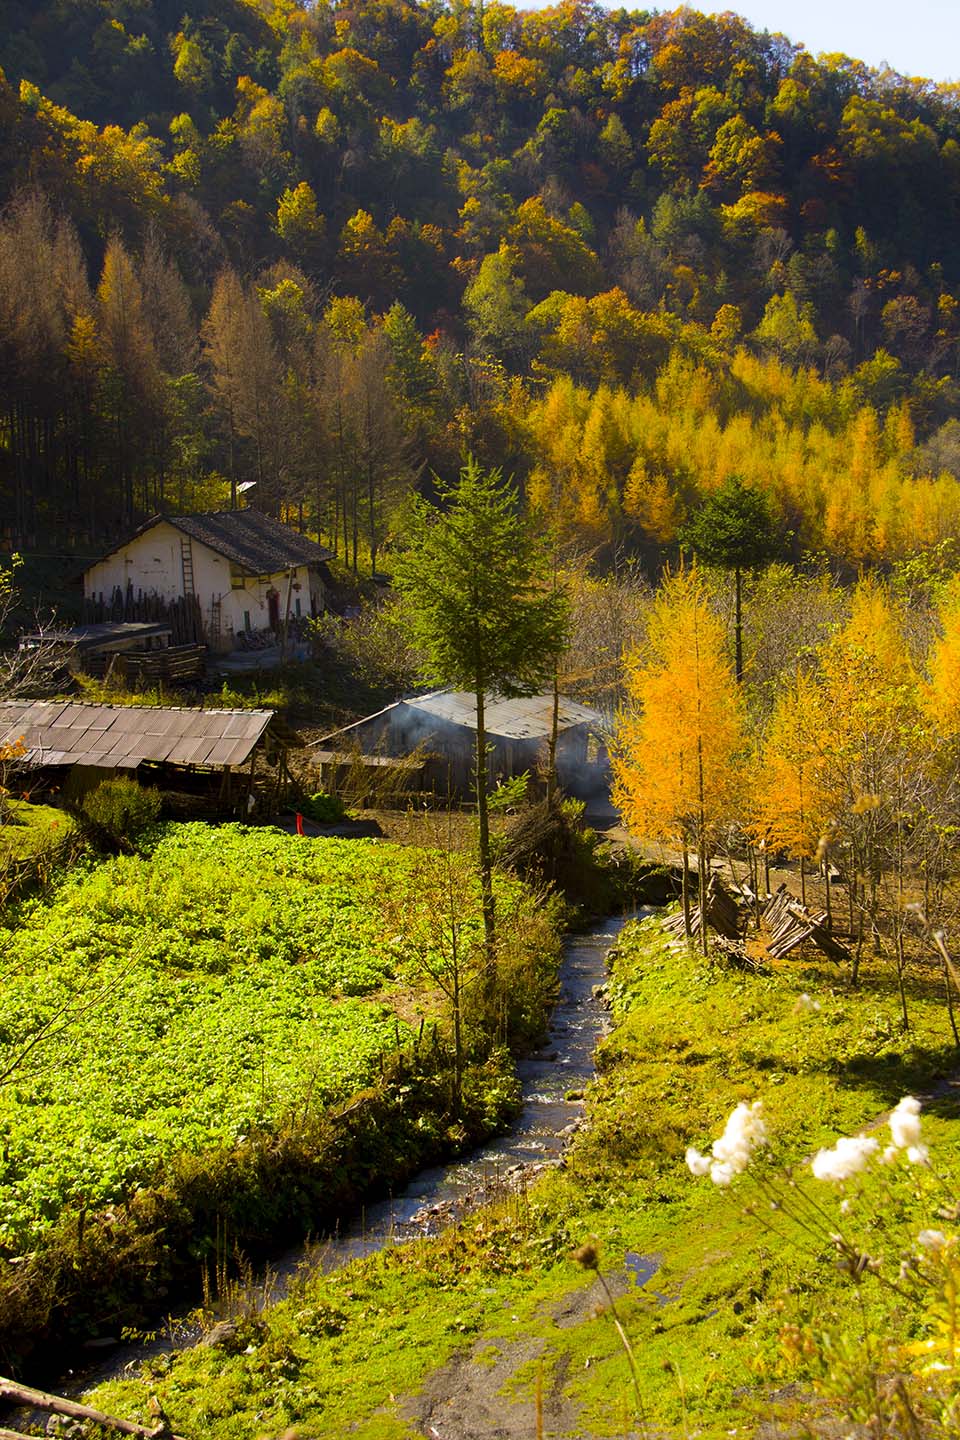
pixel 247 807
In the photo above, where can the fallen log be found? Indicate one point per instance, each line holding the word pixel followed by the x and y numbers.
pixel 24 1395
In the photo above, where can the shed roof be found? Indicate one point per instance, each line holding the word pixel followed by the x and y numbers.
pixel 253 541
pixel 525 717
pixel 121 737
pixel 101 633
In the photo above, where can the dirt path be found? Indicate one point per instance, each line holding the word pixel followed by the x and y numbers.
pixel 468 1398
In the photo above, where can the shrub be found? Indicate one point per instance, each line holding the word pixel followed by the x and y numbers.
pixel 510 795
pixel 121 812
pixel 324 809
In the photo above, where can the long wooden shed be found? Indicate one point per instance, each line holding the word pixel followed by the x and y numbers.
pixel 122 737
pixel 186 752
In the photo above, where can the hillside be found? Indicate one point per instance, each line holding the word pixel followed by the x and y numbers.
pixel 318 248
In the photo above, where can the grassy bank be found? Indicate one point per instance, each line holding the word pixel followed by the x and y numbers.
pixel 35 841
pixel 228 1041
pixel 471 1324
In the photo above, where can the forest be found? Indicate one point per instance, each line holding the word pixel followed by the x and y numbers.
pixel 325 250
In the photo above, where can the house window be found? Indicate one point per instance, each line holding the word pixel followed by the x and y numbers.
pixel 236 579
pixel 246 621
pixel 296 605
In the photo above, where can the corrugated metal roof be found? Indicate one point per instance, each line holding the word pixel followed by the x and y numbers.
pixel 103 633
pixel 527 717
pixel 121 736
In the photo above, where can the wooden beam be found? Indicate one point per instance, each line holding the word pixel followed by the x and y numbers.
pixel 15 1394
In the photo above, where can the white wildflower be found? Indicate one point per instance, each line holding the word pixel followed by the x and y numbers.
pixel 806 1006
pixel 848 1157
pixel 918 1154
pixel 932 1239
pixel 845 1207
pixel 744 1133
pixel 905 1123
pixel 889 1155
pixel 697 1164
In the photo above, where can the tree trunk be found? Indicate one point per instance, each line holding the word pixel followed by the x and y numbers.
pixel 702 868
pixel 702 845
pixel 685 888
pixel 483 829
pixel 552 742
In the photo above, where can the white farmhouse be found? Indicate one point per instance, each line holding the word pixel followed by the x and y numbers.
pixel 231 570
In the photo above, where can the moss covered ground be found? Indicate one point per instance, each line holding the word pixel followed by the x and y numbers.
pixel 465 1329
pixel 28 831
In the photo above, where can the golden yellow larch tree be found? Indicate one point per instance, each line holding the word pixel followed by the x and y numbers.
pixel 681 735
pixel 790 803
pixel 873 751
pixel 940 697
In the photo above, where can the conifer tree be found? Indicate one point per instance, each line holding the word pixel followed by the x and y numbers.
pixel 872 752
pixel 733 529
pixel 789 800
pixel 681 734
pixel 483 612
pixel 941 697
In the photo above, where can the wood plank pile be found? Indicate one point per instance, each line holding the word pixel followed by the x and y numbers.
pixel 724 915
pixel 183 613
pixel 735 953
pixel 176 663
pixel 791 923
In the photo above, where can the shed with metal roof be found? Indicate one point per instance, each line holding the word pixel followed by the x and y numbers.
pixel 442 728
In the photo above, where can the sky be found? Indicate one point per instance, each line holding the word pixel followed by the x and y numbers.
pixel 919 37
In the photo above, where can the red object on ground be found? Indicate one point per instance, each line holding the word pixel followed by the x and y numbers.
pixel 299 823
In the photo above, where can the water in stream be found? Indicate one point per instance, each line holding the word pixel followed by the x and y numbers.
pixel 553 1081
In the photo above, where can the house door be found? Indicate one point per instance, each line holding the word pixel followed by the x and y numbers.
pixel 273 601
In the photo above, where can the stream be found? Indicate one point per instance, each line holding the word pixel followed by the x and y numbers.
pixel 553 1080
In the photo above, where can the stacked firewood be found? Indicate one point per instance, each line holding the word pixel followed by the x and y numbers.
pixel 791 923
pixel 723 914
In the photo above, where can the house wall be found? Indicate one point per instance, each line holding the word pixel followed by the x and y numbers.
pixel 249 596
pixel 152 564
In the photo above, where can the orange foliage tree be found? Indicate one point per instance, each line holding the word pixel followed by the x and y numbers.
pixel 681 734
pixel 790 802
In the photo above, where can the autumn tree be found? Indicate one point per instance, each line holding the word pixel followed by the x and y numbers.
pixel 681 733
pixel 483 611
pixel 789 800
pixel 872 756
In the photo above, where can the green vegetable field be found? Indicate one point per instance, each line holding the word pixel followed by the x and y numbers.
pixel 229 981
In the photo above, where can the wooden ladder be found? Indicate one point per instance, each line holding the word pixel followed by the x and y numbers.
pixel 216 608
pixel 186 563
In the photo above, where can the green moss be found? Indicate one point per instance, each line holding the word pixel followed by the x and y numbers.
pixel 690 1040
pixel 31 830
